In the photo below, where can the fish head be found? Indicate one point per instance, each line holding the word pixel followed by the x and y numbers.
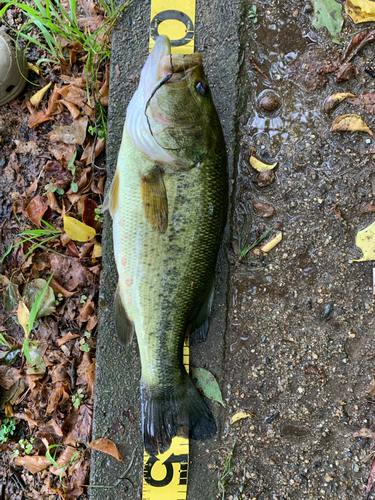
pixel 178 118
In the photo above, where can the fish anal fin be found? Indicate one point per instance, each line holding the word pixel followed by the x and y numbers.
pixel 124 326
pixel 198 327
pixel 111 198
pixel 155 201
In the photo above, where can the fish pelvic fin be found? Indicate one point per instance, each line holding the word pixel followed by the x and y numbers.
pixel 111 198
pixel 167 410
pixel 124 326
pixel 155 201
pixel 199 325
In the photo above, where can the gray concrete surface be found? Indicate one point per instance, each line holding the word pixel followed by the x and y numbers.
pixel 118 370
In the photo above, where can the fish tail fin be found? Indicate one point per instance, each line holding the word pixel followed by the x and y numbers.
pixel 166 410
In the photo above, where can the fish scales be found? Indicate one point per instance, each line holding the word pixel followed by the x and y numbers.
pixel 168 220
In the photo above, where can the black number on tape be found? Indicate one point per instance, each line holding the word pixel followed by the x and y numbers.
pixel 168 464
pixel 175 15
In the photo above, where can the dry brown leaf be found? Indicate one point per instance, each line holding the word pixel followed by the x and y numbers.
pixel 87 153
pixel 33 463
pixel 57 288
pixel 63 460
pixel 357 43
pixel 73 110
pixel 69 273
pixel 36 209
pixel 265 209
pixel 71 134
pixel 350 123
pixel 265 178
pixel 106 446
pixel 86 311
pixel 68 336
pixel 366 433
pixel 368 207
pixel 74 94
pixel 365 101
pixel 37 118
pixel 8 376
pixel 83 426
pixel 79 477
pixel 86 372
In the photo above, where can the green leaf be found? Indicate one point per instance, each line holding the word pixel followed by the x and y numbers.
pixel 328 14
pixel 205 381
pixel 37 365
pixel 9 357
pixel 48 302
pixel 11 297
pixel 3 340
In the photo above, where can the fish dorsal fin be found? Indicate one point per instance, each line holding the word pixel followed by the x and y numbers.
pixel 154 197
pixel 124 326
pixel 111 198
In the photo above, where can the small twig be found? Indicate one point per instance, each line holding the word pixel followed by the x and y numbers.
pixel 251 61
pixel 209 452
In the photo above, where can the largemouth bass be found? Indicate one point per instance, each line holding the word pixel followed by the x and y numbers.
pixel 168 201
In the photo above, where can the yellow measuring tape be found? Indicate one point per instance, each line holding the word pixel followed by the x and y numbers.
pixel 165 476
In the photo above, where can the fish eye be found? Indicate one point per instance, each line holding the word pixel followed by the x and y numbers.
pixel 201 88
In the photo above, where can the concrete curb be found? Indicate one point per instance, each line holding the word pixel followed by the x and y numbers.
pixel 117 369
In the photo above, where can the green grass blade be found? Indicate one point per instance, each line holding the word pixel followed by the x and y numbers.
pixel 36 305
pixel 3 341
pixel 26 350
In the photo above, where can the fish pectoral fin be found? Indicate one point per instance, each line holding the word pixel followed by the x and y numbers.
pixel 111 198
pixel 155 201
pixel 198 327
pixel 124 326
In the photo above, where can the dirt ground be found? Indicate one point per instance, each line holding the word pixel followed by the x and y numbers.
pixel 300 338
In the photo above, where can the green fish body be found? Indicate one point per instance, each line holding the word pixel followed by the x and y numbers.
pixel 168 201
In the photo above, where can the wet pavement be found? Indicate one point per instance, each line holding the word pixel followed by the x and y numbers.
pixel 292 337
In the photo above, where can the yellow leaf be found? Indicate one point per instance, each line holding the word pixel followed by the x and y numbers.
pixel 23 314
pixel 78 231
pixel 34 68
pixel 97 252
pixel 333 100
pixel 36 98
pixel 240 415
pixel 272 243
pixel 350 123
pixel 258 165
pixel 361 11
pixel 365 240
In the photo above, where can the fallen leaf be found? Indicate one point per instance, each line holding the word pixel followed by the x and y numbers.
pixel 259 165
pixel 345 72
pixel 241 415
pixel 97 252
pixel 74 111
pixel 106 446
pixel 365 240
pixel 72 134
pixel 87 153
pixel 68 336
pixel 265 178
pixel 78 231
pixel 81 432
pixel 314 370
pixel 33 463
pixel 63 460
pixel 37 118
pixel 328 14
pixel 8 376
pixel 37 365
pixel 368 207
pixel 86 371
pixel 371 479
pixel 11 297
pixel 205 381
pixel 309 70
pixel 350 123
pixel 361 11
pixel 365 101
pixel 357 43
pixel 86 311
pixel 272 243
pixel 74 94
pixel 23 315
pixel 69 273
pixel 74 489
pixel 34 289
pixel 366 433
pixel 34 68
pixel 89 214
pixel 36 209
pixel 265 209
pixel 59 289
pixel 333 100
pixel 38 96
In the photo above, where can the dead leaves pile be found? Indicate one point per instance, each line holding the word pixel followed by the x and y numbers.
pixel 49 396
